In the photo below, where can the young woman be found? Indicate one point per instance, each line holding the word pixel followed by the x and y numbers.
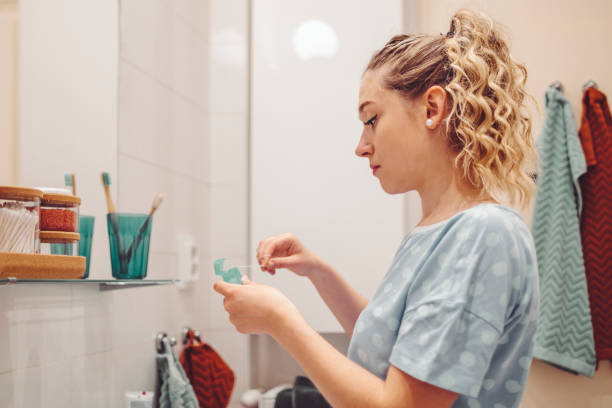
pixel 453 321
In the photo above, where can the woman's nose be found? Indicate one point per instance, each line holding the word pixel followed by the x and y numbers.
pixel 364 149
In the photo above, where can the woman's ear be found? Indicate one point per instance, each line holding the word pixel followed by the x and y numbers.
pixel 435 101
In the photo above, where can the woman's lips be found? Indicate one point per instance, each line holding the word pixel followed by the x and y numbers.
pixel 375 169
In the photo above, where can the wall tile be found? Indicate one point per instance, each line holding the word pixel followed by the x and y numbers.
pixel 36 326
pixel 37 387
pixel 133 369
pixel 90 324
pixel 228 140
pixel 202 146
pixel 202 223
pixel 146 36
pixel 162 265
pixel 185 45
pixel 167 42
pixel 91 381
pixel 228 79
pixel 229 220
pixel 229 22
pixel 144 116
pixel 195 12
pixel 138 314
pixel 160 126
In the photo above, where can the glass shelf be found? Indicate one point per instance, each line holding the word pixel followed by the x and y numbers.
pixel 104 284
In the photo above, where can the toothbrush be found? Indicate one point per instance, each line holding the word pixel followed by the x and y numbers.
pixel 156 203
pixel 106 181
pixel 69 181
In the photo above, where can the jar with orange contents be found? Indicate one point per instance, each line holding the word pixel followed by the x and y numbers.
pixel 59 212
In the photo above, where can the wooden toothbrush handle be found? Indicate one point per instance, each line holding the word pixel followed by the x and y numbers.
pixel 109 201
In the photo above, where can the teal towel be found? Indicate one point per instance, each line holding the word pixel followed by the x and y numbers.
pixel 565 334
pixel 173 388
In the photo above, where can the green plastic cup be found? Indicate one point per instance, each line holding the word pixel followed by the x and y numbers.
pixel 62 249
pixel 129 236
pixel 86 228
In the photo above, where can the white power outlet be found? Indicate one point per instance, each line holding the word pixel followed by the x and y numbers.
pixel 187 259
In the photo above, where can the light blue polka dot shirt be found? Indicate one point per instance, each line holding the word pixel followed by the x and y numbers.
pixel 458 308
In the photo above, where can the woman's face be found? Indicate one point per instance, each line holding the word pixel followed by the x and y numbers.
pixel 394 137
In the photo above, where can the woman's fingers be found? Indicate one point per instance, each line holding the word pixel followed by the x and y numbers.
pixel 247 281
pixel 281 246
pixel 222 287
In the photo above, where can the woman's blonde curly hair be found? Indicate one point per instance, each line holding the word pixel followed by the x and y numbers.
pixel 488 125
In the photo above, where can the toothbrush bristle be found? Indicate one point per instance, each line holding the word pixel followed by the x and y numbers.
pixel 68 179
pixel 106 179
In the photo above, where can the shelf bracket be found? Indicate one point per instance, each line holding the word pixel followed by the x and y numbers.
pixel 9 281
pixel 106 286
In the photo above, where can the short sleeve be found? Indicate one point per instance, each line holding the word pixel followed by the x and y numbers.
pixel 445 345
pixel 457 306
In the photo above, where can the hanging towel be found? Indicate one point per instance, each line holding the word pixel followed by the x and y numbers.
pixel 172 389
pixel 596 221
pixel 212 379
pixel 565 335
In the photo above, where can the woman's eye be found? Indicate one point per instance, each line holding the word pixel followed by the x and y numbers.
pixel 371 121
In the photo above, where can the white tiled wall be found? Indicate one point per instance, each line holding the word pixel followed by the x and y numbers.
pixel 155 92
pixel 227 124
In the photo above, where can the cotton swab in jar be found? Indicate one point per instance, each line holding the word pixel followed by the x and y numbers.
pixel 25 226
pixel 17 229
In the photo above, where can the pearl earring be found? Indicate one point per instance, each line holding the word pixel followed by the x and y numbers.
pixel 429 123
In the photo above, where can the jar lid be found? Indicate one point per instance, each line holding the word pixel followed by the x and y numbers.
pixel 55 190
pixel 20 193
pixel 63 200
pixel 59 237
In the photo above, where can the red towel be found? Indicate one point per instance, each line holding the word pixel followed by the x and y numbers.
pixel 211 378
pixel 596 222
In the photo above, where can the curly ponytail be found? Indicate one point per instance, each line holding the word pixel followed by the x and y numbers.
pixel 488 124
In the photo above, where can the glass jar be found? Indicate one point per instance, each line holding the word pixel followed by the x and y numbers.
pixel 59 243
pixel 19 220
pixel 59 212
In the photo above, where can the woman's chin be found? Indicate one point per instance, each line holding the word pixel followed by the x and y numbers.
pixel 394 189
pixel 390 189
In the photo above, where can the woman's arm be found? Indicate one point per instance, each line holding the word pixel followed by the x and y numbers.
pixel 256 308
pixel 343 383
pixel 286 251
pixel 340 297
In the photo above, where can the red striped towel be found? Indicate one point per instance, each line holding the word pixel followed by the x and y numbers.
pixel 210 376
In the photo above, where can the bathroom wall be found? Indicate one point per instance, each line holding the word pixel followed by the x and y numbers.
pixel 56 340
pixel 557 40
pixel 154 92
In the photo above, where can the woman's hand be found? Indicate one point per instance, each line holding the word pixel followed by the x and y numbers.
pixel 286 251
pixel 256 308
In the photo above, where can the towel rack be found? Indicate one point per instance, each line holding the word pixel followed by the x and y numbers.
pixel 159 344
pixel 589 84
pixel 557 85
pixel 186 331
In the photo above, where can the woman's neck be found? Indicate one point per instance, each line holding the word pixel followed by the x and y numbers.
pixel 445 196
